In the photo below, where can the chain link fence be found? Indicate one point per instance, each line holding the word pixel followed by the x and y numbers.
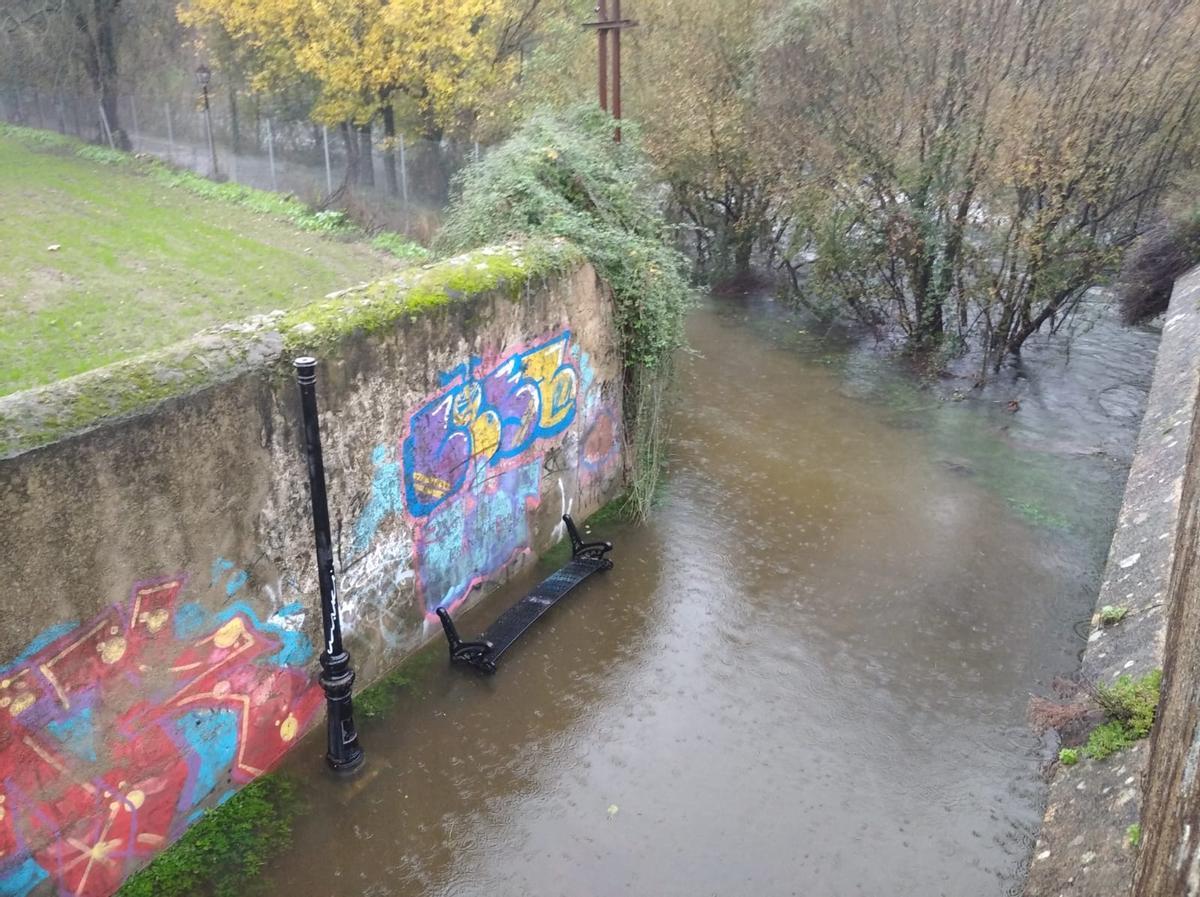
pixel 399 183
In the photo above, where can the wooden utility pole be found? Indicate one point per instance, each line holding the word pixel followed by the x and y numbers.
pixel 603 26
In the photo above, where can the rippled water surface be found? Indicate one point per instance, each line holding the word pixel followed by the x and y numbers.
pixel 808 672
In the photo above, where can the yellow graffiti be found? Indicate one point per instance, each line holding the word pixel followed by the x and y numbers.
pixel 557 390
pixel 485 427
pixel 431 485
pixel 485 435
pixel 111 650
pixel 289 728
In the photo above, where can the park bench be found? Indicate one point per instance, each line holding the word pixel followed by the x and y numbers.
pixel 483 653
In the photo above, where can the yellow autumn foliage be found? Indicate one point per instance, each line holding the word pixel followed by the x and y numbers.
pixel 443 55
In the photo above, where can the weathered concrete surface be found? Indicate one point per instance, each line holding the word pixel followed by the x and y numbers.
pixel 1169 862
pixel 158 646
pixel 1083 847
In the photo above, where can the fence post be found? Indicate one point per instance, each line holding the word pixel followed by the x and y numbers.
pixel 403 172
pixel 271 155
pixel 170 133
pixel 105 126
pixel 328 172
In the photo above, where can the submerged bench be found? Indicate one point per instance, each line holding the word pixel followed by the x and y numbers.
pixel 586 558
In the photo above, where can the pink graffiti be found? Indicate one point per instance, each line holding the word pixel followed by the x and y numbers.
pixel 127 678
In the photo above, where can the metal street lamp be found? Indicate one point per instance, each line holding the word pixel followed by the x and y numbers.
pixel 203 79
pixel 342 751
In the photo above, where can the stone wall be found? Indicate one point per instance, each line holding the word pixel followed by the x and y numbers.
pixel 157 551
pixel 1084 848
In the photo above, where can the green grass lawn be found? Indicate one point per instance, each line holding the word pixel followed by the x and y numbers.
pixel 145 256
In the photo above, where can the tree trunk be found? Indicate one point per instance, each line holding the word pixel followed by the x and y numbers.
pixel 927 304
pixel 366 164
pixel 743 249
pixel 351 144
pixel 100 33
pixel 389 153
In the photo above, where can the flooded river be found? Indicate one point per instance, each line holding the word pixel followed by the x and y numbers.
pixel 807 674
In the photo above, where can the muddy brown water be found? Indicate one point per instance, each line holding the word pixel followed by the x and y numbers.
pixel 807 674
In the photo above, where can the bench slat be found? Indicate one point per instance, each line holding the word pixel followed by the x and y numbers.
pixel 587 558
pixel 511 624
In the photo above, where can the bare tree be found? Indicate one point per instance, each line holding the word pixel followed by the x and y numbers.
pixel 977 165
pixel 89 31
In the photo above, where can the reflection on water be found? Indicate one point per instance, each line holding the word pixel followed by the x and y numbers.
pixel 806 675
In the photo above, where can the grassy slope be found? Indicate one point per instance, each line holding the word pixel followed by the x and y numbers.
pixel 141 263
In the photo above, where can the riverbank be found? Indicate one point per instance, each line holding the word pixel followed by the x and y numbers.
pixel 1094 827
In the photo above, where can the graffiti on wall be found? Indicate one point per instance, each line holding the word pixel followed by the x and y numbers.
pixel 113 731
pixel 476 536
pixel 449 504
pixel 472 464
pixel 479 422
pixel 600 447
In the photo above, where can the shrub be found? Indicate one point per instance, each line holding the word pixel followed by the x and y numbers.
pixel 1068 756
pixel 1062 716
pixel 1166 251
pixel 562 176
pixel 1106 740
pixel 400 246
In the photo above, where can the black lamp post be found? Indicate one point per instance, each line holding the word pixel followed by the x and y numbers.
pixel 343 753
pixel 203 79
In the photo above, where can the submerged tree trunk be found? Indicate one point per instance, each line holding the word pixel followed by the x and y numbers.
pixel 743 250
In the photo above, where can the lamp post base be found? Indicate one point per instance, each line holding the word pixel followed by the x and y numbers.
pixel 342 751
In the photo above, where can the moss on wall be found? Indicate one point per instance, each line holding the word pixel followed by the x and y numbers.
pixel 223 853
pixel 375 307
pixel 46 414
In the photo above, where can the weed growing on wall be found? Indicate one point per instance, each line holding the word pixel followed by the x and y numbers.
pixel 378 698
pixel 1133 835
pixel 1111 616
pixel 1129 705
pixel 562 176
pixel 224 852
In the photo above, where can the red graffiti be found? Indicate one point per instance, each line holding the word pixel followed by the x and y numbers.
pixel 98 770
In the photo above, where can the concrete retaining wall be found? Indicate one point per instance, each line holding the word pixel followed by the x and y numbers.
pixel 1169 862
pixel 1084 847
pixel 158 646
